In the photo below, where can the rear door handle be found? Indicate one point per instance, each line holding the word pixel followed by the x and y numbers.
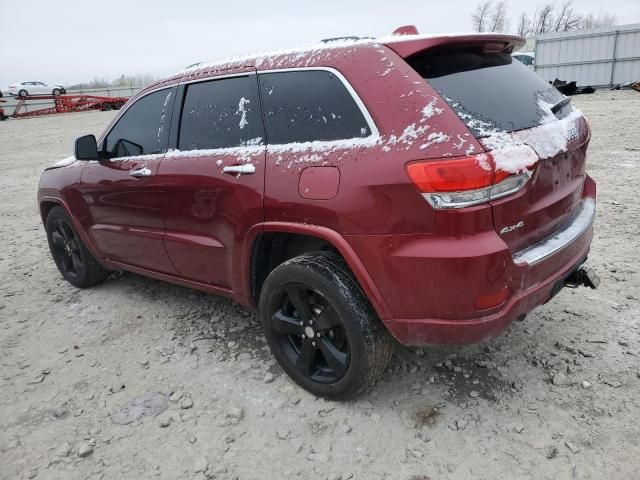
pixel 140 172
pixel 245 169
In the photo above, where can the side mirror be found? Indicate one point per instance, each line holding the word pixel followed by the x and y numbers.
pixel 86 148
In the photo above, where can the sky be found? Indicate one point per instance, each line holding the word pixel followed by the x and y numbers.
pixel 77 40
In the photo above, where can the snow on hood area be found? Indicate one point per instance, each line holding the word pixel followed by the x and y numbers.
pixel 65 162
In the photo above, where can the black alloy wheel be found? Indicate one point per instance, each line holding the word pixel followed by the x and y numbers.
pixel 321 328
pixel 310 333
pixel 71 256
pixel 66 249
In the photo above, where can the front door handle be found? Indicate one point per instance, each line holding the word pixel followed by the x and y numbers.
pixel 245 169
pixel 140 172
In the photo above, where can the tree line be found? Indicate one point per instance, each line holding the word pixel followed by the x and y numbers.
pixel 493 16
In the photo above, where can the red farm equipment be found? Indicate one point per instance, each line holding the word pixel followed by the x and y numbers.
pixel 68 103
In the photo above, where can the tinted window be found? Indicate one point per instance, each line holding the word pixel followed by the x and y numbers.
pixel 488 91
pixel 143 127
pixel 220 114
pixel 309 105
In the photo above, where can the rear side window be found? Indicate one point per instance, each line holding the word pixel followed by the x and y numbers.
pixel 488 91
pixel 143 128
pixel 305 106
pixel 220 114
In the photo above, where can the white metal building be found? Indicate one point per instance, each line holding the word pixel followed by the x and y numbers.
pixel 598 57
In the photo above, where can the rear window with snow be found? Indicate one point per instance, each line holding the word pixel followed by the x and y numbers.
pixel 489 91
pixel 305 106
pixel 220 114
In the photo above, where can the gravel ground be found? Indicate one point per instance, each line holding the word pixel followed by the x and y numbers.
pixel 85 372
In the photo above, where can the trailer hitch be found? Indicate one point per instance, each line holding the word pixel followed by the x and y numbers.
pixel 583 276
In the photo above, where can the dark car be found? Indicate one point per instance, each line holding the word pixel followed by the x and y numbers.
pixel 419 189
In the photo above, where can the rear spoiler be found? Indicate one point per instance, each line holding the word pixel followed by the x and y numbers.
pixel 406 46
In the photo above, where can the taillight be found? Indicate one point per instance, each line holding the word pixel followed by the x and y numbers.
pixel 465 181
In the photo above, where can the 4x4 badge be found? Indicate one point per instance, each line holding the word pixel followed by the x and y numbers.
pixel 511 228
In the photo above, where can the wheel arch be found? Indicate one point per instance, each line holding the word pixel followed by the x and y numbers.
pixel 264 250
pixel 47 203
pixel 46 206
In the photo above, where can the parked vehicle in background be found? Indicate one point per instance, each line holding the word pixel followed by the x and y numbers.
pixel 426 188
pixel 526 58
pixel 23 89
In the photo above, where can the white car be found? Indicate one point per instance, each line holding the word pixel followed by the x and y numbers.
pixel 24 89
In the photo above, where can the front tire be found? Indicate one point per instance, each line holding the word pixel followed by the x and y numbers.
pixel 321 327
pixel 23 93
pixel 73 259
pixel 56 92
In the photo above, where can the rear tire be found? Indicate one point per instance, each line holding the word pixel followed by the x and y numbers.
pixel 73 259
pixel 321 328
pixel 106 107
pixel 23 93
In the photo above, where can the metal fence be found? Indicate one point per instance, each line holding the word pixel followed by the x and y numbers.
pixel 599 57
pixel 31 105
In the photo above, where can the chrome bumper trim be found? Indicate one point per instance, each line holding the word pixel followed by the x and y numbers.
pixel 560 238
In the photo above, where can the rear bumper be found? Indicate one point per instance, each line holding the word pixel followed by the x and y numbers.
pixel 431 284
pixel 428 331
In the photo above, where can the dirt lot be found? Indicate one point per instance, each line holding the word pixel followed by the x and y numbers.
pixel 557 396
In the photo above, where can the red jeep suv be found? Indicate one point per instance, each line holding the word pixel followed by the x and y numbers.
pixel 426 188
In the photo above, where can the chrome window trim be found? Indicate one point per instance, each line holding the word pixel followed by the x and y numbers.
pixel 216 77
pixel 373 128
pixel 547 247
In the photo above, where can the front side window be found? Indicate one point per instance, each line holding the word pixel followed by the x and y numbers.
pixel 309 105
pixel 143 128
pixel 220 114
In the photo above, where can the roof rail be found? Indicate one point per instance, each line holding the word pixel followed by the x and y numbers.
pixel 348 37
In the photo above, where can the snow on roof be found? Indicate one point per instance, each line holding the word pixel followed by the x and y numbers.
pixel 283 56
